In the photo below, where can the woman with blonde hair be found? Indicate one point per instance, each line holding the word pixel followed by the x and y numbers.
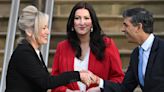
pixel 27 71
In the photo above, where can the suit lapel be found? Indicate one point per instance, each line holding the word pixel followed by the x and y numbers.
pixel 39 61
pixel 136 60
pixel 151 60
pixel 42 59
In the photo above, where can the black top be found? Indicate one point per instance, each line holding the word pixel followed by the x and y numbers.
pixel 27 73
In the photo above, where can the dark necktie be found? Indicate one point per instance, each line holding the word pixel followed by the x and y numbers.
pixel 140 73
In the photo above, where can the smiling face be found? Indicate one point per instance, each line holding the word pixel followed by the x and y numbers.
pixel 130 30
pixel 82 22
pixel 42 37
pixel 41 31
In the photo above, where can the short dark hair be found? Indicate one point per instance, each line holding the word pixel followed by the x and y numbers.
pixel 97 44
pixel 140 15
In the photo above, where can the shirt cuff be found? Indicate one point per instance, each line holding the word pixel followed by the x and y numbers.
pixel 101 84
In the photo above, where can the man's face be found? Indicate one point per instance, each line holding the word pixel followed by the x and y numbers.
pixel 129 30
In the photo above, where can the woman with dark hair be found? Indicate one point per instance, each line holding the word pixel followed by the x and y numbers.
pixel 86 48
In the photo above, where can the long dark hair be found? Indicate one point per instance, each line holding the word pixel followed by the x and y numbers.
pixel 97 44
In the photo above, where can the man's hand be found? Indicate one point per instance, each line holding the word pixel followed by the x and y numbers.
pixel 94 78
pixel 88 78
pixel 68 90
pixel 94 89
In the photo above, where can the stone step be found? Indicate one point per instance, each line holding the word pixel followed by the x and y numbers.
pixel 108 12
pixel 4 23
pixel 1 57
pixel 56 37
pixel 124 47
pixel 124 54
pixel 5 6
pixel 107 7
pixel 111 23
pixel 108 23
pixel 110 7
pixel 102 7
pixel 3 40
pixel 119 38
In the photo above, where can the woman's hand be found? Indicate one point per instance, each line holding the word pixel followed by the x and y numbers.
pixel 94 89
pixel 85 77
pixel 94 78
pixel 69 90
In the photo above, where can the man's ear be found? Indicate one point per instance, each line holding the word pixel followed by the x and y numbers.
pixel 140 26
pixel 29 32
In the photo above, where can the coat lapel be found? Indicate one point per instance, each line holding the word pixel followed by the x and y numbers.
pixel 151 60
pixel 70 61
pixel 91 62
pixel 42 60
pixel 70 65
pixel 136 60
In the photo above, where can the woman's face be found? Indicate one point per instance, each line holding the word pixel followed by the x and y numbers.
pixel 82 22
pixel 43 33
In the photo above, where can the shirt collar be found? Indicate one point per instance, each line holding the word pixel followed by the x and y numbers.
pixel 148 43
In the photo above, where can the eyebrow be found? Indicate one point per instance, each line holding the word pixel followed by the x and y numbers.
pixel 80 16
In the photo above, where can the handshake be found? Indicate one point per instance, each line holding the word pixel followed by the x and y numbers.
pixel 88 78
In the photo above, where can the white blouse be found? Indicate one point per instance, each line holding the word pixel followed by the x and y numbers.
pixel 81 65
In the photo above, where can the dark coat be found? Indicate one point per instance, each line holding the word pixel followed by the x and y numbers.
pixel 154 75
pixel 27 73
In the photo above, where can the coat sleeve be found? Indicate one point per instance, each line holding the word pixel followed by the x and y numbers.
pixel 129 82
pixel 27 64
pixel 111 87
pixel 55 70
pixel 116 74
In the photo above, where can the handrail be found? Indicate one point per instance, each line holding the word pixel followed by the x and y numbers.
pixel 49 10
pixel 9 41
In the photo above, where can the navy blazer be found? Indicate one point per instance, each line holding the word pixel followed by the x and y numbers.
pixel 154 75
pixel 27 73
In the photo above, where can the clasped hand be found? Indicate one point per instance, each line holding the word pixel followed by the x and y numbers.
pixel 88 78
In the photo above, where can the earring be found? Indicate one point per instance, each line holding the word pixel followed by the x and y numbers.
pixel 92 29
pixel 72 29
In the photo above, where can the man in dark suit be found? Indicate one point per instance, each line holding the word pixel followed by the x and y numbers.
pixel 146 66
